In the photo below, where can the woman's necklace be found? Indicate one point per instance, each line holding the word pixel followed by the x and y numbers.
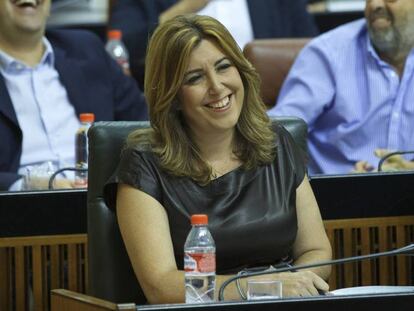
pixel 220 168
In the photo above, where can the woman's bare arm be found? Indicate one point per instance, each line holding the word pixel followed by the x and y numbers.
pixel 312 244
pixel 146 234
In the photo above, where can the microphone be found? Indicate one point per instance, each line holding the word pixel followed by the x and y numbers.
pixel 409 249
pixel 389 155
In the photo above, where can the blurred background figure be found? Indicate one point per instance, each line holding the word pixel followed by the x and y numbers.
pixel 46 81
pixel 354 86
pixel 245 19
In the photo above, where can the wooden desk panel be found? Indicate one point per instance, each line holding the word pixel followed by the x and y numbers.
pixel 31 266
pixel 362 236
pixel 70 301
pixel 43 241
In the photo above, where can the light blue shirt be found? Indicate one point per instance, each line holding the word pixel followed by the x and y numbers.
pixel 352 101
pixel 47 119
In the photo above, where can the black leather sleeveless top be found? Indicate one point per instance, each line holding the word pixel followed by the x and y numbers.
pixel 252 214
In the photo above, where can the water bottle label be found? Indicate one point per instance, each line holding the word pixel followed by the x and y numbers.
pixel 200 262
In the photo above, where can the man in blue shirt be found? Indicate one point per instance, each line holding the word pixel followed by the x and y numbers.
pixel 354 86
pixel 46 81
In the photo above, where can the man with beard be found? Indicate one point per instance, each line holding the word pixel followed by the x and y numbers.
pixel 46 81
pixel 354 86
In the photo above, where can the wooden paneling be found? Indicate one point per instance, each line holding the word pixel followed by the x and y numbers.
pixel 353 237
pixel 32 266
pixel 4 279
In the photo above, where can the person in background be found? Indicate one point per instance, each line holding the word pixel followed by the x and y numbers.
pixel 246 20
pixel 211 149
pixel 354 86
pixel 46 81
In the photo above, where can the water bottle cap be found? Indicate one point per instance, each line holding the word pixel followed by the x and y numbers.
pixel 87 117
pixel 114 34
pixel 199 219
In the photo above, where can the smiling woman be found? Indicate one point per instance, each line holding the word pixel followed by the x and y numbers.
pixel 211 149
pixel 211 98
pixel 186 87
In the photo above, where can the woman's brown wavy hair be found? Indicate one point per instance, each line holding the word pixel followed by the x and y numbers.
pixel 167 60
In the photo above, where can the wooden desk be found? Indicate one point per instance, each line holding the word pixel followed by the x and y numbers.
pixel 38 264
pixel 69 301
pixel 64 300
pixel 45 247
pixel 362 236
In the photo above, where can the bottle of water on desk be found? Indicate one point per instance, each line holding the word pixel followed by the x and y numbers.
pixel 199 262
pixel 81 149
pixel 117 50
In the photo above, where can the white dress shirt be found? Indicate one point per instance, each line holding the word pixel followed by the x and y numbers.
pixel 47 119
pixel 234 14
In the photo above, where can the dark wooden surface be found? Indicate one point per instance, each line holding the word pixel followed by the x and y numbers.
pixel 339 197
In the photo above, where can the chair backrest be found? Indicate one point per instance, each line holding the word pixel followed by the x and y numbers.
pixel 111 276
pixel 272 59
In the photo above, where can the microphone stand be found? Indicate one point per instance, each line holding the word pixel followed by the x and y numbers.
pixel 403 250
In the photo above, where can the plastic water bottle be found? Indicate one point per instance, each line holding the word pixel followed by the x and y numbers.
pixel 81 146
pixel 199 262
pixel 117 50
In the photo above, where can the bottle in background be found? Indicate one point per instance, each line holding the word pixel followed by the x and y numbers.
pixel 81 149
pixel 199 262
pixel 117 50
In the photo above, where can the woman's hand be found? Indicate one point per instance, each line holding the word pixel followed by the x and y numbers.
pixel 297 284
pixel 301 284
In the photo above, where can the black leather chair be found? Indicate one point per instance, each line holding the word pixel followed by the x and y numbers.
pixel 110 273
